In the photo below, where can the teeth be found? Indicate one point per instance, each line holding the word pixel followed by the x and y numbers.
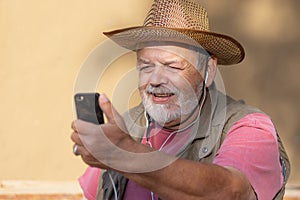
pixel 162 95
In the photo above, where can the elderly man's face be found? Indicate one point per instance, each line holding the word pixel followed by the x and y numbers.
pixel 169 83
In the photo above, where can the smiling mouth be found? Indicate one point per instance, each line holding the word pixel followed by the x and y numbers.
pixel 161 95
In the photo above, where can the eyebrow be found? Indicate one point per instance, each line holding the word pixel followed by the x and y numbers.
pixel 170 62
pixel 141 60
pixel 144 61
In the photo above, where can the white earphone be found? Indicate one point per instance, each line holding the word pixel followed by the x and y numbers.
pixel 206 77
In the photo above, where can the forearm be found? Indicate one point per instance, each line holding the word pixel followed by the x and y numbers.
pixel 184 179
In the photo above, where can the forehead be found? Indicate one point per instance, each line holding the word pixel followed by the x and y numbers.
pixel 168 52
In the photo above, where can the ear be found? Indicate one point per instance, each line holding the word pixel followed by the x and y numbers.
pixel 211 70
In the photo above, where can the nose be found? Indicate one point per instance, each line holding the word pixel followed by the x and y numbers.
pixel 158 77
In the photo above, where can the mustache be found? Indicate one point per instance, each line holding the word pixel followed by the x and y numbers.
pixel 161 90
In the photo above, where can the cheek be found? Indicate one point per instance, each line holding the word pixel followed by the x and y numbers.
pixel 143 79
pixel 142 85
pixel 187 79
pixel 194 78
pixel 189 84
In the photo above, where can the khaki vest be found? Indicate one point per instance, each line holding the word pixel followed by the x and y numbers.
pixel 219 113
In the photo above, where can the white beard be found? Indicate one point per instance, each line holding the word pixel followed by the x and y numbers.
pixel 163 113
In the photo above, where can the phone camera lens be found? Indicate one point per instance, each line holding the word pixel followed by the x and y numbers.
pixel 80 98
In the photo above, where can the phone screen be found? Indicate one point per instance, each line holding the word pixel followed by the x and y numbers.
pixel 87 107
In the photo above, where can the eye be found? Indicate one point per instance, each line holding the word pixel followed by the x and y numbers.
pixel 172 68
pixel 145 68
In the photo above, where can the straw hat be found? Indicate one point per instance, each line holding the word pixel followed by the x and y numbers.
pixel 181 22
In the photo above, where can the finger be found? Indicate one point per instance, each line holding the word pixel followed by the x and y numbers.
pixel 76 139
pixel 108 109
pixel 73 126
pixel 86 156
pixel 85 128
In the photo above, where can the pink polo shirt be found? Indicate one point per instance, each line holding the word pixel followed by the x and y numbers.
pixel 89 182
pixel 251 147
pixel 244 148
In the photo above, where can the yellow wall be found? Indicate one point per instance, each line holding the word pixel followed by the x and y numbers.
pixel 44 42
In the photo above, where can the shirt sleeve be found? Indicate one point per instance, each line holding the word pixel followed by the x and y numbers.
pixel 251 147
pixel 89 182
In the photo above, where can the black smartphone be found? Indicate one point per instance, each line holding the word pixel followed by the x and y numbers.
pixel 87 107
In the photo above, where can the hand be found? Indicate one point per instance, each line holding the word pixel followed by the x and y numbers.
pixel 108 146
pixel 100 145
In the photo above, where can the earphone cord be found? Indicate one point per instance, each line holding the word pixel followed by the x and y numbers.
pixel 113 184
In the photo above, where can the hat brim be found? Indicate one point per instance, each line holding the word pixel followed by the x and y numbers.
pixel 227 50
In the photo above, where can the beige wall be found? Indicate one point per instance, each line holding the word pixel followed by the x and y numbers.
pixel 44 42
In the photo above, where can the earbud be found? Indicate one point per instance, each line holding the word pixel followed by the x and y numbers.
pixel 206 77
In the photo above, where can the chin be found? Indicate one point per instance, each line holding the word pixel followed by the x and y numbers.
pixel 167 112
pixel 162 113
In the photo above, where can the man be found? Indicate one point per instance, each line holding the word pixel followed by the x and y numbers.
pixel 198 143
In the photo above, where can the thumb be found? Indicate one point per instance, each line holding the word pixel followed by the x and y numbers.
pixel 108 109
